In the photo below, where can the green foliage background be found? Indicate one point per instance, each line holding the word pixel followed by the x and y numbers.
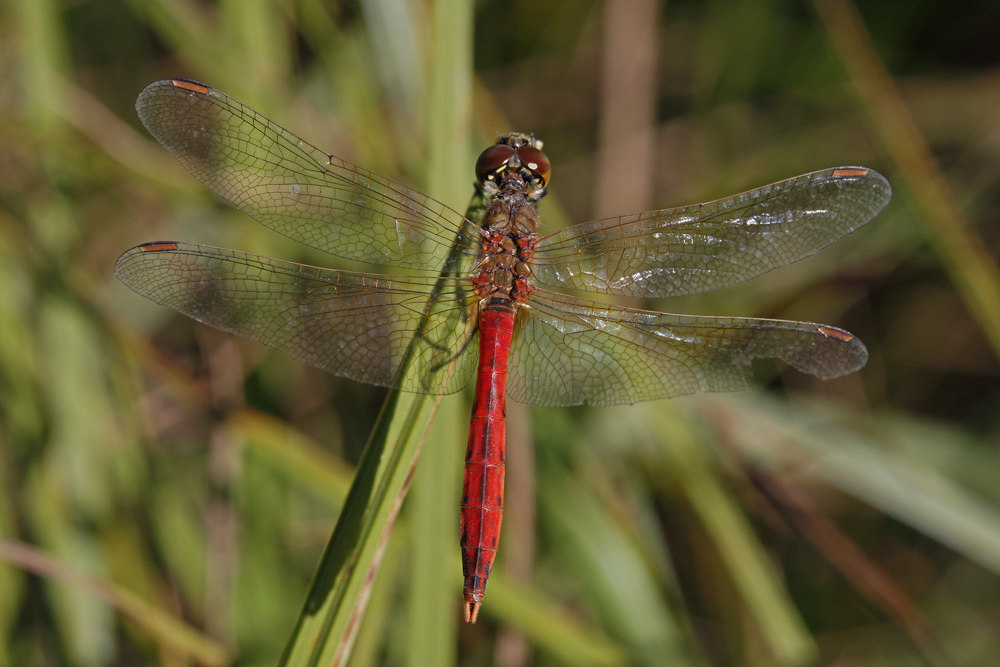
pixel 167 491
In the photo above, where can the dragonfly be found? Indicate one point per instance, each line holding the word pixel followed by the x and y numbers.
pixel 487 295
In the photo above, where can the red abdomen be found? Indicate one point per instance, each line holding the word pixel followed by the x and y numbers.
pixel 482 491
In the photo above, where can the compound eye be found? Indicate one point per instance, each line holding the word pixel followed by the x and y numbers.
pixel 536 161
pixel 492 159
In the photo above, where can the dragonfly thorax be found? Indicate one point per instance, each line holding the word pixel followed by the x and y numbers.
pixel 510 232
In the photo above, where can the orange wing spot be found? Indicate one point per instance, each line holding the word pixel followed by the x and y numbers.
pixel 158 247
pixel 191 85
pixel 836 333
pixel 837 173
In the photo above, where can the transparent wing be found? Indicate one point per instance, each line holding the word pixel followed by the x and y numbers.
pixel 571 351
pixel 355 325
pixel 717 244
pixel 295 189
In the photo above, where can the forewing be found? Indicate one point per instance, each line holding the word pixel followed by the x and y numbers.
pixel 717 244
pixel 296 189
pixel 571 351
pixel 355 325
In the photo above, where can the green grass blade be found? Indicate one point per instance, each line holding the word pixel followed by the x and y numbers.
pixel 174 636
pixel 450 102
pixel 288 450
pixel 741 552
pixel 187 28
pixel 962 253
pixel 259 49
pixel 433 592
pixel 325 629
pixel 435 576
pixel 342 583
pixel 888 478
pixel 617 580
pixel 43 59
pixel 551 628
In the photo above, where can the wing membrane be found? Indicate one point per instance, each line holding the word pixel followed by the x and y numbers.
pixel 355 325
pixel 571 351
pixel 707 246
pixel 296 189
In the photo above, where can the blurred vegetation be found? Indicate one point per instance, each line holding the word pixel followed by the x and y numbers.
pixel 168 490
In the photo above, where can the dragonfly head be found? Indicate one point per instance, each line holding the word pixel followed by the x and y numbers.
pixel 514 164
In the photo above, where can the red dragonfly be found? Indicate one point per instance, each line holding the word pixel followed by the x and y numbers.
pixel 482 294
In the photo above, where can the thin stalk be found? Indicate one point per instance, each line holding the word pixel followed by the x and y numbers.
pixel 962 254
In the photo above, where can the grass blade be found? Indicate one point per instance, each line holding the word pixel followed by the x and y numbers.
pixel 175 637
pixel 434 592
pixel 739 548
pixel 963 255
pixel 337 595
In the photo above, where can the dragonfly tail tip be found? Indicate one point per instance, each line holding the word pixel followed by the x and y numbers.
pixel 472 610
